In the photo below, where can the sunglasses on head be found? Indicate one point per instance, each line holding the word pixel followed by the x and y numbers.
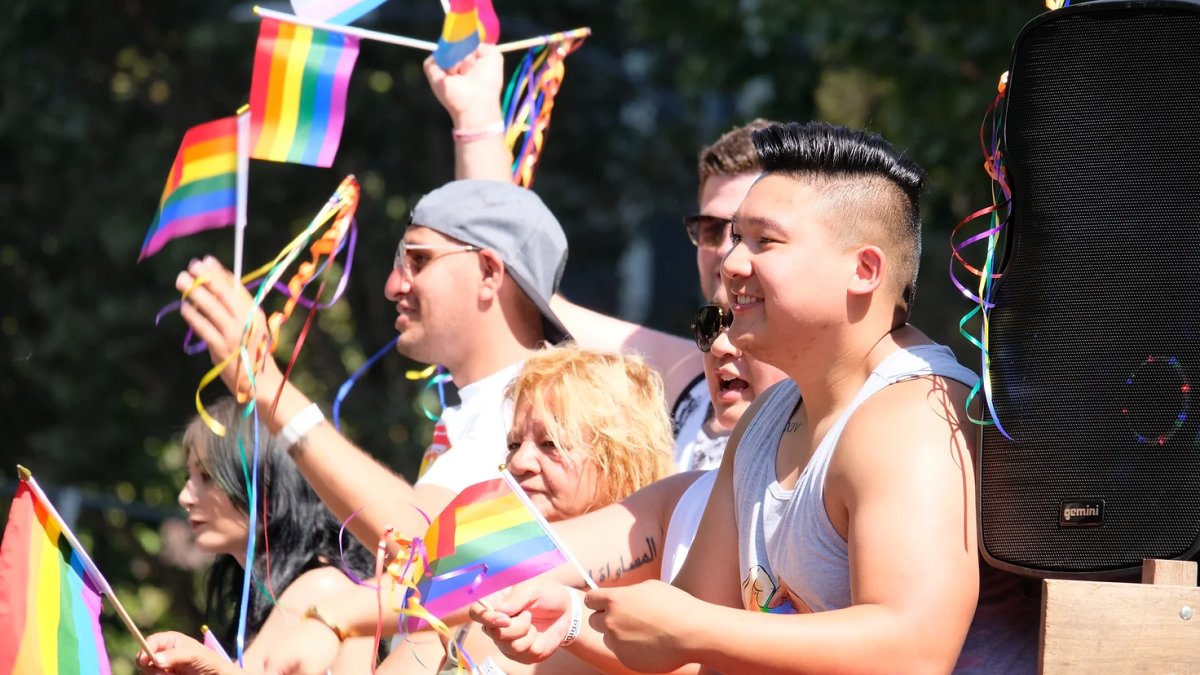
pixel 706 231
pixel 710 321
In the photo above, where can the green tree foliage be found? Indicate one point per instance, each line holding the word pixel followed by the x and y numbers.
pixel 96 97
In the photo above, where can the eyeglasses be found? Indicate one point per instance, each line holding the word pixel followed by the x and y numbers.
pixel 710 321
pixel 706 231
pixel 407 261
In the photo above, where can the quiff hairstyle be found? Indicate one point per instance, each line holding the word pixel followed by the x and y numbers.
pixel 874 187
pixel 604 406
pixel 733 153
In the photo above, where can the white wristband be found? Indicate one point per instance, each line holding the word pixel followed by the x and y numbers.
pixel 576 617
pixel 301 424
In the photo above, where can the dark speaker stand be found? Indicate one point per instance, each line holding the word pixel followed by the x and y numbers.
pixel 1112 627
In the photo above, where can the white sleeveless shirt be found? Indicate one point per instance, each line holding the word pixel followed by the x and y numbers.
pixel 791 557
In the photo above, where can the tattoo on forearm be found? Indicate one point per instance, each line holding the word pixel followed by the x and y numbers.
pixel 611 571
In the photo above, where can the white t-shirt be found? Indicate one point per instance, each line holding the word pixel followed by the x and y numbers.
pixel 695 449
pixel 470 440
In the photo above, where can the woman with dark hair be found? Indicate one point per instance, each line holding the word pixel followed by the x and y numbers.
pixel 297 560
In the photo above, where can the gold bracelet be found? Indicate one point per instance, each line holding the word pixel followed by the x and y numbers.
pixel 313 613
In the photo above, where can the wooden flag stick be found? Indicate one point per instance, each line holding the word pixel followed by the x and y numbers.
pixel 89 567
pixel 243 182
pixel 348 30
pixel 402 41
pixel 544 39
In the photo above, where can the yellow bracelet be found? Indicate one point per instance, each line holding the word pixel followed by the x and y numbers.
pixel 313 613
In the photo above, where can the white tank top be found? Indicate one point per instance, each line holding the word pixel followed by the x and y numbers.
pixel 791 557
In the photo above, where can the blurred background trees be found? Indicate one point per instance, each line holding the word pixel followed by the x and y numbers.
pixel 96 97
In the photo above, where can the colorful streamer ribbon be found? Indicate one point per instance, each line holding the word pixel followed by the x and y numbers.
pixel 192 348
pixel 340 210
pixel 529 102
pixel 344 390
pixel 403 575
pixel 982 297
pixel 437 376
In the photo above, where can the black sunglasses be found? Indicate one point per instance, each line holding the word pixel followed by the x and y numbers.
pixel 706 231
pixel 710 321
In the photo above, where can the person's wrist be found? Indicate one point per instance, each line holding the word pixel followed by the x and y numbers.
pixel 477 119
pixel 690 639
pixel 472 134
pixel 276 414
pixel 300 424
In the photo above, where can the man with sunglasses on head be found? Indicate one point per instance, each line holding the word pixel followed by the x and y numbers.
pixel 470 93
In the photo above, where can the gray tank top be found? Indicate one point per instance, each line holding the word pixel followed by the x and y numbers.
pixel 792 559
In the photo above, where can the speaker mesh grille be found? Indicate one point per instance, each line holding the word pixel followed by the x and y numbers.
pixel 1095 338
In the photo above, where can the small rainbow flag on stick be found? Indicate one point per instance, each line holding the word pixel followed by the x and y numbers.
pixel 49 593
pixel 201 190
pixel 340 12
pixel 298 92
pixel 488 538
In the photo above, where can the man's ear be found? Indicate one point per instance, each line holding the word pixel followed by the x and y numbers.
pixel 869 265
pixel 491 269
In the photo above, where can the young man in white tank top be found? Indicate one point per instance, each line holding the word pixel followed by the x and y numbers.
pixel 849 514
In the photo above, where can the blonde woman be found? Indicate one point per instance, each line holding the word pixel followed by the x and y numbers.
pixel 589 429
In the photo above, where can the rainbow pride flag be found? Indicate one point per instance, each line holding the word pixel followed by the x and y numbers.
pixel 49 606
pixel 460 34
pixel 340 12
pixel 485 540
pixel 298 93
pixel 201 190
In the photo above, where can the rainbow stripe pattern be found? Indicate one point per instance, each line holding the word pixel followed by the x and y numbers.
pixel 484 541
pixel 298 93
pixel 201 190
pixel 340 12
pixel 49 608
pixel 460 34
pixel 489 23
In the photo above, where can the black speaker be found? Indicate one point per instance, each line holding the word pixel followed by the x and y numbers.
pixel 1094 339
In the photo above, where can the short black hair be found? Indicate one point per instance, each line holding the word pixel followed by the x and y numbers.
pixel 820 147
pixel 821 151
